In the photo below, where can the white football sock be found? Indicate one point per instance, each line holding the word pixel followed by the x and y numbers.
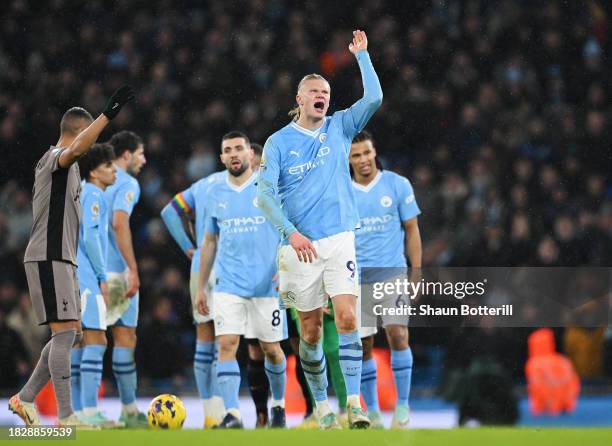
pixel 278 403
pixel 322 408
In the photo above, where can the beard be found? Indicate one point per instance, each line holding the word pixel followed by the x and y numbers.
pixel 238 171
pixel 133 169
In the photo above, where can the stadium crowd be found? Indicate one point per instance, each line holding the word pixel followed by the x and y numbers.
pixel 497 111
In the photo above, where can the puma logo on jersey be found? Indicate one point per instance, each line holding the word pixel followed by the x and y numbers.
pixel 223 205
pixel 293 152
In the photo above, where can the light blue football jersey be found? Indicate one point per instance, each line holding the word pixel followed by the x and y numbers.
pixel 383 205
pixel 121 196
pixel 308 170
pixel 196 197
pixel 93 238
pixel 246 252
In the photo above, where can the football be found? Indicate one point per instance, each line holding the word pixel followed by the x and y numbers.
pixel 166 412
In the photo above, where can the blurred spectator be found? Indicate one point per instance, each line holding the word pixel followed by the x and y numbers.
pixel 571 248
pixel 521 239
pixel 8 296
pixel 202 162
pixel 23 321
pixel 19 220
pixel 585 348
pixel 159 354
pixel 552 383
pixel 14 360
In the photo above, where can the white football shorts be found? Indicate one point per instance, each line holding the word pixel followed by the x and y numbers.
pixel 305 286
pixel 254 318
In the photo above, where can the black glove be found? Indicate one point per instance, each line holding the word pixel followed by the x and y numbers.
pixel 119 98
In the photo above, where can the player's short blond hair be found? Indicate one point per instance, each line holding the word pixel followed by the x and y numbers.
pixel 294 113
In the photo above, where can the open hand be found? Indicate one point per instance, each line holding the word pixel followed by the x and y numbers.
pixel 189 253
pixel 133 283
pixel 303 247
pixel 359 43
pixel 201 302
pixel 119 98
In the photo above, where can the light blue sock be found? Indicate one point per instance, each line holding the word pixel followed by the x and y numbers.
pixel 369 389
pixel 91 374
pixel 351 357
pixel 315 370
pixel 75 378
pixel 228 380
pixel 277 376
pixel 124 369
pixel 214 381
pixel 401 364
pixel 202 368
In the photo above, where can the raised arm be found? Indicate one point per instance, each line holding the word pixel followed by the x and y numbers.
pixel 171 215
pixel 83 142
pixel 357 116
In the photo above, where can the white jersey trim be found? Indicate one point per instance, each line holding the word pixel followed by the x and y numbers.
pixel 244 185
pixel 371 185
pixel 306 131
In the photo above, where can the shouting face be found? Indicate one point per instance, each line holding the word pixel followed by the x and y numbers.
pixel 313 98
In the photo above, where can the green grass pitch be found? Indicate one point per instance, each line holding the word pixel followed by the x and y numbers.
pixel 415 437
